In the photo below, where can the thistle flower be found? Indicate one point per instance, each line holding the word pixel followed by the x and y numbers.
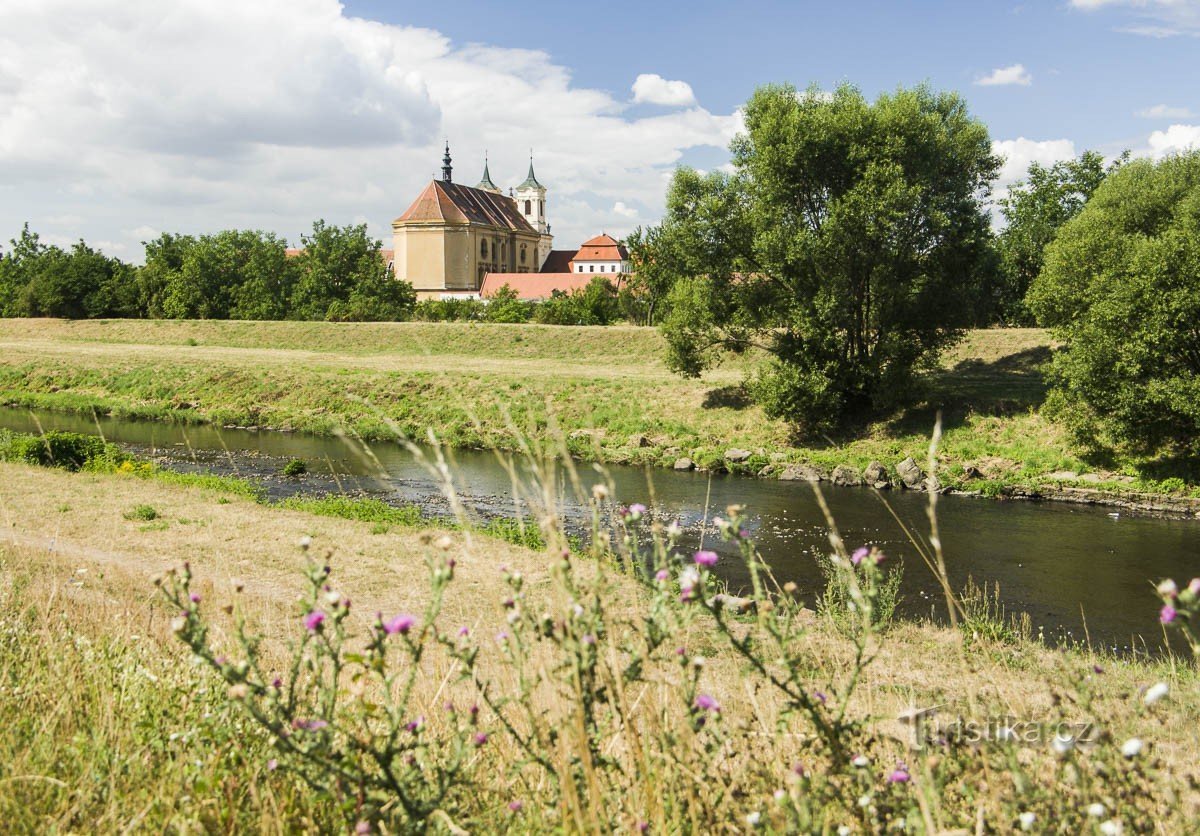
pixel 463 631
pixel 1096 810
pixel 515 806
pixel 860 761
pixel 362 828
pixel 675 529
pixel 194 597
pixel 314 620
pixel 1112 827
pixel 599 492
pixel 706 703
pixel 179 623
pixel 705 558
pixel 1194 587
pixel 1167 614
pixel 305 542
pixel 1026 820
pixel 860 554
pixel 414 726
pixel 479 738
pixel 400 624
pixel 753 819
pixel 662 575
pixel 636 511
pixel 899 775
pixel 272 765
pixel 1167 588
pixel 1155 693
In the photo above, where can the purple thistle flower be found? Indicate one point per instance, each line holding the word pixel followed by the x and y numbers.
pixel 362 828
pixel 414 725
pixel 515 806
pixel 309 725
pixel 194 597
pixel 1097 669
pixel 1167 614
pixel 820 696
pixel 272 765
pixel 662 575
pixel 899 775
pixel 463 631
pixel 705 558
pixel 400 624
pixel 277 683
pixel 314 620
pixel 480 738
pixel 706 703
pixel 860 554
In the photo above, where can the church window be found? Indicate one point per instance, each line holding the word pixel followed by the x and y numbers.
pixel 522 253
pixel 528 207
pixel 483 249
pixel 541 208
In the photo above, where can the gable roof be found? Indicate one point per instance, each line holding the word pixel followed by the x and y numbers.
pixel 602 248
pixel 454 203
pixel 559 261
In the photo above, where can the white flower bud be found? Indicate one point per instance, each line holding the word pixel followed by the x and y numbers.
pixel 1155 693
pixel 1132 747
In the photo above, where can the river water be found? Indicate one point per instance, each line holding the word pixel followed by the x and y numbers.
pixel 1079 572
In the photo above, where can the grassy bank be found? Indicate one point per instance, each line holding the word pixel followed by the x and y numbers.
pixel 110 727
pixel 604 391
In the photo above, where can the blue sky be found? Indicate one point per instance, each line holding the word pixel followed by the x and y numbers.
pixel 120 119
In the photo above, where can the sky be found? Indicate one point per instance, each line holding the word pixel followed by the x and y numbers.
pixel 122 119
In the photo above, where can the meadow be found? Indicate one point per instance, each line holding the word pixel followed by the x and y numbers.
pixel 490 386
pixel 548 690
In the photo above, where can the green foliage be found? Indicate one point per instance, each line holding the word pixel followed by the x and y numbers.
pixel 850 244
pixel 506 306
pixel 985 618
pixel 71 451
pixel 1034 211
pixel 295 467
pixel 364 509
pixel 145 513
pixel 234 274
pixel 859 584
pixel 343 278
pixel 449 310
pixel 1121 290
pixel 41 280
pixel 595 304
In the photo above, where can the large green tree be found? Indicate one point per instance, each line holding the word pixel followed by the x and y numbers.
pixel 342 276
pixel 1121 290
pixel 234 274
pixel 849 244
pixel 1034 210
pixel 37 279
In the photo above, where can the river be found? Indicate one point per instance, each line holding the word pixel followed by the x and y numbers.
pixel 1070 567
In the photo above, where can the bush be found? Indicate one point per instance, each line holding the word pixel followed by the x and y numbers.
pixel 449 310
pixel 1121 290
pixel 72 451
pixel 145 513
pixel 295 467
pixel 506 306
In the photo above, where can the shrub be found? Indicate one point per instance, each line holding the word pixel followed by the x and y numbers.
pixel 860 582
pixel 145 513
pixel 506 306
pixel 72 451
pixel 295 467
pixel 1121 290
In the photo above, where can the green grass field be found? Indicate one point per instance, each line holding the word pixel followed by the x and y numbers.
pixel 603 392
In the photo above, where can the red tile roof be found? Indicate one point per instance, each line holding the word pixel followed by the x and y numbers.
pixel 602 248
pixel 454 203
pixel 538 286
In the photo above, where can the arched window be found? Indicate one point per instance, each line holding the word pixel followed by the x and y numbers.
pixel 541 208
pixel 493 251
pixel 528 207
pixel 522 253
pixel 483 249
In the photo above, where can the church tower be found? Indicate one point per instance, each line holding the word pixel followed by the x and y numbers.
pixel 486 182
pixel 531 203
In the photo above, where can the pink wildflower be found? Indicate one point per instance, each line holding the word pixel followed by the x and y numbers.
pixel 480 738
pixel 1167 614
pixel 400 624
pixel 706 703
pixel 314 620
pixel 899 775
pixel 860 554
pixel 705 558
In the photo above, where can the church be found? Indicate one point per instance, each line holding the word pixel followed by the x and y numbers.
pixel 458 241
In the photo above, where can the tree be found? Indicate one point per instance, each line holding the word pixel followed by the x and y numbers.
pixel 41 280
pixel 848 244
pixel 1121 290
pixel 342 276
pixel 1034 210
pixel 593 304
pixel 645 294
pixel 506 306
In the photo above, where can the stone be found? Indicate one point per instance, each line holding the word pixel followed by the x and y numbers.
pixel 846 476
pixel 672 451
pixel 1091 478
pixel 801 473
pixel 1063 476
pixel 767 471
pixel 910 474
pixel 875 472
pixel 972 471
pixel 735 455
pixel 684 464
pixel 637 440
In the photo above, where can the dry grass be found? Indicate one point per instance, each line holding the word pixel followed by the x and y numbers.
pixel 85 565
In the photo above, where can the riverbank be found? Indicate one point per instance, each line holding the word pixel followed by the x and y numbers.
pixel 602 394
pixel 82 623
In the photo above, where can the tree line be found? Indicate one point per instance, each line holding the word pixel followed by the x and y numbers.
pixel 339 275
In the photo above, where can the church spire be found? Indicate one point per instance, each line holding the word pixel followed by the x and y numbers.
pixel 531 182
pixel 486 183
pixel 446 169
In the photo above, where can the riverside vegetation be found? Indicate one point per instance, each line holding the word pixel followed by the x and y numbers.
pixel 608 687
pixel 486 385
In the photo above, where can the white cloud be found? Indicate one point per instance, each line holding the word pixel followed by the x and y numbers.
pixel 1174 139
pixel 1018 154
pixel 135 116
pixel 1016 74
pixel 1163 111
pixel 1156 18
pixel 651 88
pixel 619 208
